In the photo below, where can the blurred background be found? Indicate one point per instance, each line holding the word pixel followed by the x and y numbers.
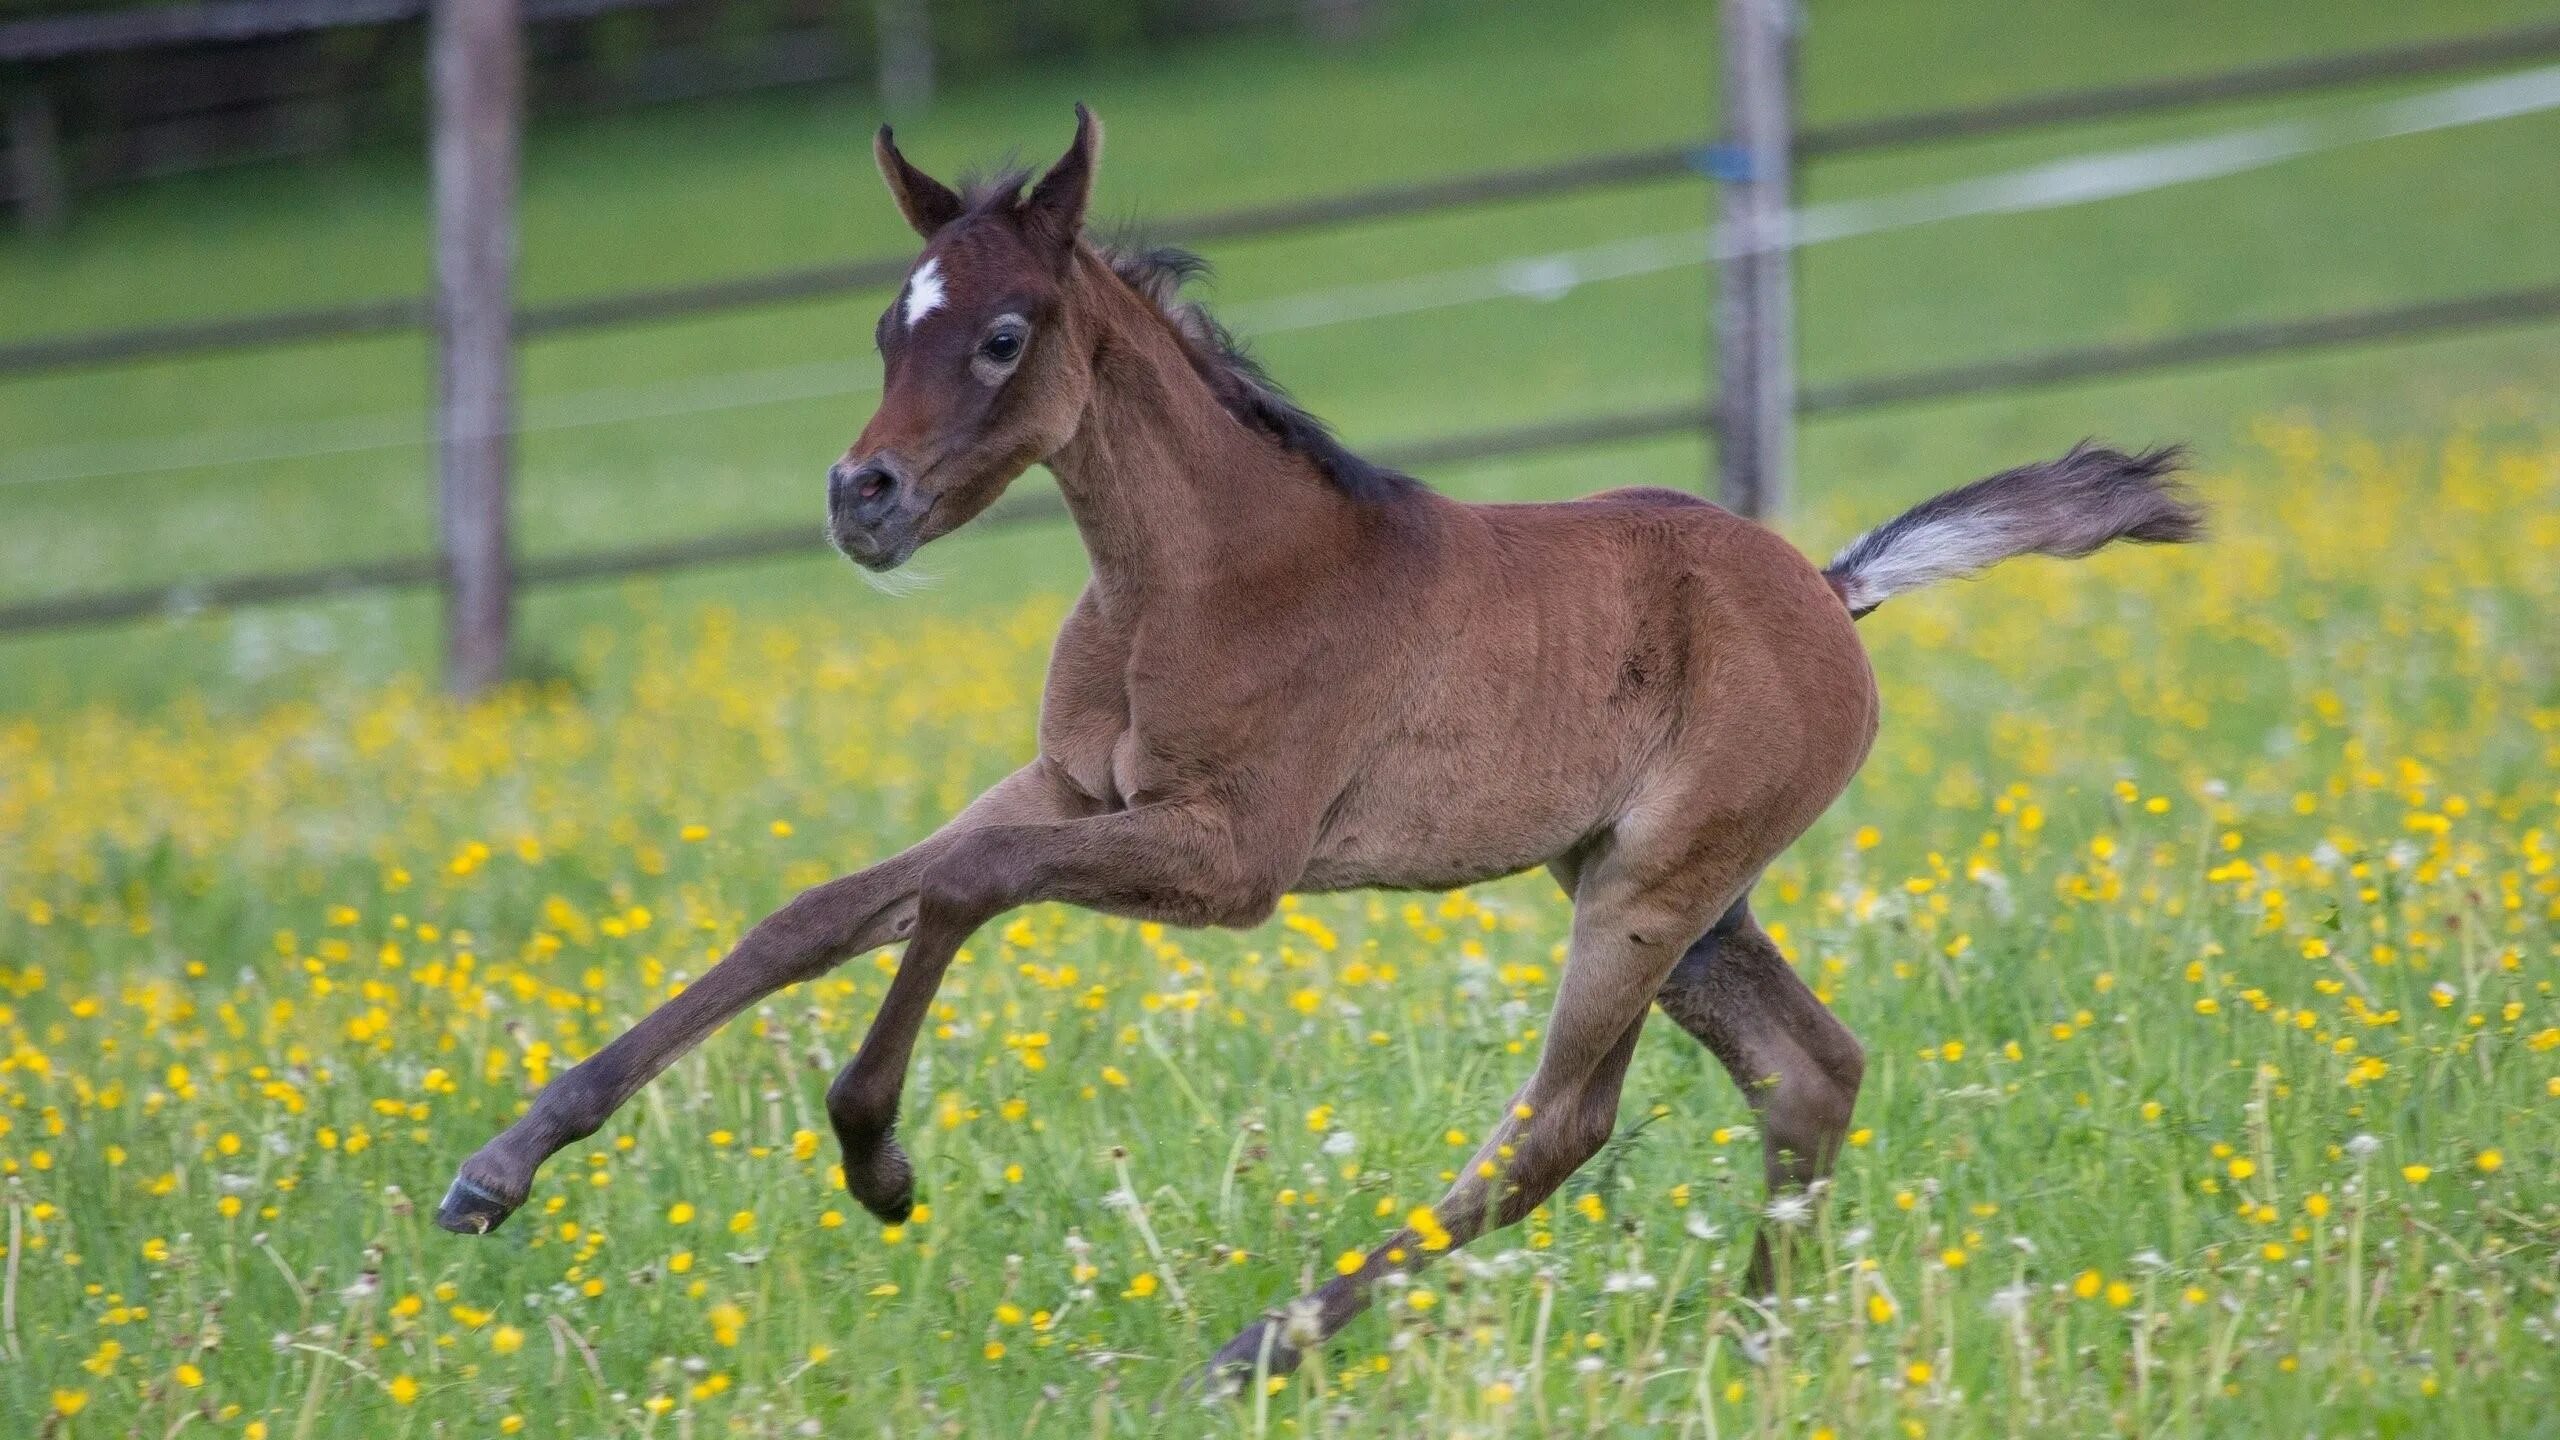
pixel 1476 236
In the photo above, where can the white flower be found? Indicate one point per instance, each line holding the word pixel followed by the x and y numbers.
pixel 1789 1209
pixel 1304 1326
pixel 1699 1226
pixel 2363 1147
pixel 1622 1282
pixel 1341 1143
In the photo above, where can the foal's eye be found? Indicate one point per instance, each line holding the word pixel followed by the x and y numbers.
pixel 1003 347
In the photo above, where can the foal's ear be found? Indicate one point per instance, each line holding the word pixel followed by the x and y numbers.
pixel 927 203
pixel 1056 205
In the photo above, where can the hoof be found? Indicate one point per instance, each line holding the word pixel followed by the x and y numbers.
pixel 883 1182
pixel 1227 1374
pixel 468 1209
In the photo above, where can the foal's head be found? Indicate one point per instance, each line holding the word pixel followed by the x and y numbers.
pixel 981 376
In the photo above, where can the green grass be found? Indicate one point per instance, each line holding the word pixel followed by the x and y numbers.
pixel 2197 911
pixel 2172 876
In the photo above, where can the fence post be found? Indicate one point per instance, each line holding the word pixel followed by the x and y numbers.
pixel 35 164
pixel 1755 331
pixel 475 76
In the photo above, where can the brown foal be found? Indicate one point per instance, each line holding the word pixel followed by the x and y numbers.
pixel 1295 671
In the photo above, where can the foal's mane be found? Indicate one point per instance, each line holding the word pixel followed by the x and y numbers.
pixel 1157 273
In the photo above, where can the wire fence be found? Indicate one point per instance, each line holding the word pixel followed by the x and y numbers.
pixel 2512 94
pixel 391 314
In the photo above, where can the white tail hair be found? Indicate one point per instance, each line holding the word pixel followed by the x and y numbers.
pixel 2067 508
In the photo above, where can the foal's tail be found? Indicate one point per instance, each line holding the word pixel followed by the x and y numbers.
pixel 2068 508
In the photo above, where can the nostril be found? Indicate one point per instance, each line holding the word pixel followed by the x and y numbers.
pixel 873 484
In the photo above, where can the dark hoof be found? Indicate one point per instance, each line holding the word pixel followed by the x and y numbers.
pixel 468 1209
pixel 883 1182
pixel 1231 1371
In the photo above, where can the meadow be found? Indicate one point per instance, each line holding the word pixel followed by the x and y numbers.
pixel 2198 911
pixel 301 456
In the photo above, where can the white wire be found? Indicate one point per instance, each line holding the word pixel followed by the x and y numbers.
pixel 2076 180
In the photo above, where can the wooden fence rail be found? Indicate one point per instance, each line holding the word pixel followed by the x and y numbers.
pixel 2427 320
pixel 369 318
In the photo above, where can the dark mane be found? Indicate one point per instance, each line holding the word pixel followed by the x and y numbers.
pixel 1158 272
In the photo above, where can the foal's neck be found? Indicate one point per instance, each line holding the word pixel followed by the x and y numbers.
pixel 1169 491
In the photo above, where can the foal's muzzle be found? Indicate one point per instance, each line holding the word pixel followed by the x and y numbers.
pixel 872 514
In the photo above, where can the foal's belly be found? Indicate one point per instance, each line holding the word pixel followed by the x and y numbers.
pixel 1432 836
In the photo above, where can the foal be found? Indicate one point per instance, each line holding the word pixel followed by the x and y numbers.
pixel 1295 671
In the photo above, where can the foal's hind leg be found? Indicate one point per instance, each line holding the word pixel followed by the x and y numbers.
pixel 1628 929
pixel 1796 1063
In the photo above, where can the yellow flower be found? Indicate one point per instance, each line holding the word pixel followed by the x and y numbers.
pixel 680 1213
pixel 1879 1309
pixel 1349 1262
pixel 2489 1161
pixel 1919 1372
pixel 742 1222
pixel 1425 1224
pixel 2416 1174
pixel 506 1340
pixel 189 1376
pixel 1141 1285
pixel 70 1402
pixel 403 1390
pixel 727 1320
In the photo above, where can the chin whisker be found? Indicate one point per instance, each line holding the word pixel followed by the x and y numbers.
pixel 906 580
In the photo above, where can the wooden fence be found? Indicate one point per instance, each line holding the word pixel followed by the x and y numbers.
pixel 1749 163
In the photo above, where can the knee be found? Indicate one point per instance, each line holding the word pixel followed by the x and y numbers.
pixel 964 889
pixel 1808 1107
pixel 1246 901
pixel 1847 1061
pixel 1229 891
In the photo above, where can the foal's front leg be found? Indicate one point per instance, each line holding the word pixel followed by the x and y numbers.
pixel 1167 863
pixel 818 930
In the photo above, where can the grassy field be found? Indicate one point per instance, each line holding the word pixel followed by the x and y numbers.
pixel 187 468
pixel 2198 910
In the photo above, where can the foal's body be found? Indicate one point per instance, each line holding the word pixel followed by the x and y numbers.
pixel 1293 672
